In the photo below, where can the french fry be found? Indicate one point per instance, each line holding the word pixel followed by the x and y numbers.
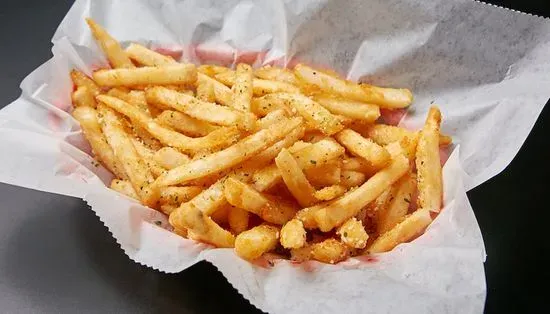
pixel 271 118
pixel 330 251
pixel 147 57
pixel 364 148
pixel 295 179
pixel 167 209
pixel 365 113
pixel 383 97
pixel 231 156
pixel 147 155
pixel 307 215
pixel 430 188
pixel 169 74
pixel 242 88
pixel 211 70
pixel 222 93
pixel 221 215
pixel 351 203
pixel 358 164
pixel 259 87
pixel 317 154
pixel 217 139
pixel 315 114
pixel 185 124
pixel 276 74
pixel 384 134
pixel 82 96
pixel 271 209
pixel 116 56
pixel 293 235
pixel 170 158
pixel 261 106
pixel 238 220
pixel 89 122
pixel 189 217
pixel 300 255
pixel 350 178
pixel 253 243
pixel 201 110
pixel 398 205
pixel 406 230
pixel 81 80
pixel 205 90
pixel 175 195
pixel 124 187
pixel 330 192
pixel 353 234
pixel 121 144
pixel 325 175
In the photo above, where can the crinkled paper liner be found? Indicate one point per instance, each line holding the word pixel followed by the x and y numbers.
pixel 484 66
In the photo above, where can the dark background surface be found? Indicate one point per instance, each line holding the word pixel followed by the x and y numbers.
pixel 56 256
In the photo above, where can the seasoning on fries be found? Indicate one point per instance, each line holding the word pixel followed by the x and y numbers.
pixel 261 160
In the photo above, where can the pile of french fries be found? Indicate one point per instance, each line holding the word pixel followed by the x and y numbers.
pixel 269 160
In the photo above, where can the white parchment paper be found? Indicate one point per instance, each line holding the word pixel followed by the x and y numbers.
pixel 486 67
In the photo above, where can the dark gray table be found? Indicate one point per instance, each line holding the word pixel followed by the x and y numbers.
pixel 55 255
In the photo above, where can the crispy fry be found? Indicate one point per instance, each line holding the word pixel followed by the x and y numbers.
pixel 384 134
pixel 350 178
pixel 168 209
pixel 231 156
pixel 175 195
pixel 271 118
pixel 295 179
pixel 350 203
pixel 242 88
pixel 89 122
pixel 358 164
pixel 353 234
pixel 116 56
pixel 260 87
pixel 169 158
pixel 317 154
pixel 81 80
pixel 261 106
pixel 276 74
pixel 325 175
pixel 293 235
pixel 252 243
pixel 330 192
pixel 329 251
pixel 300 255
pixel 271 209
pixel 307 215
pixel 366 113
pixel 363 147
pixel 319 117
pixel 398 205
pixel 217 139
pixel 221 215
pixel 147 57
pixel 124 187
pixel 198 109
pixel 205 90
pixel 138 173
pixel 147 155
pixel 222 93
pixel 406 230
pixel 185 124
pixel 238 220
pixel 384 97
pixel 169 74
pixel 430 188
pixel 82 96
pixel 211 70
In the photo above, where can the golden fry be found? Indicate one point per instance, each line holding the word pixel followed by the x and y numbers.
pixel 269 208
pixel 81 80
pixel 124 187
pixel 175 195
pixel 365 113
pixel 330 192
pixel 222 93
pixel 238 220
pixel 398 205
pixel 252 243
pixel 406 230
pixel 147 57
pixel 242 88
pixel 147 155
pixel 185 124
pixel 295 179
pixel 116 56
pixel 351 203
pixel 169 158
pixel 82 96
pixel 169 74
pixel 276 74
pixel 353 234
pixel 293 235
pixel 259 87
pixel 364 148
pixel 430 189
pixel 89 122
pixel 205 90
pixel 329 251
pixel 358 164
pixel 350 178
pixel 325 175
